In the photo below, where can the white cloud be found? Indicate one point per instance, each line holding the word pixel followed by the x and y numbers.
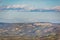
pixel 31 8
pixel 25 8
pixel 16 6
pixel 57 7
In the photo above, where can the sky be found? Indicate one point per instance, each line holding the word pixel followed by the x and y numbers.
pixel 29 11
pixel 34 3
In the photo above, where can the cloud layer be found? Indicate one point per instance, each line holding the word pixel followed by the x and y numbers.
pixel 26 8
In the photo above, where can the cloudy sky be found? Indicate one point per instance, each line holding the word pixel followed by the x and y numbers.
pixel 29 10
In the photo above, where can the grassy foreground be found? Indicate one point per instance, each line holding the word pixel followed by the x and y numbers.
pixel 49 37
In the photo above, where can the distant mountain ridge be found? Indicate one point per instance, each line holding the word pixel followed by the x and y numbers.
pixel 34 10
pixel 23 9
